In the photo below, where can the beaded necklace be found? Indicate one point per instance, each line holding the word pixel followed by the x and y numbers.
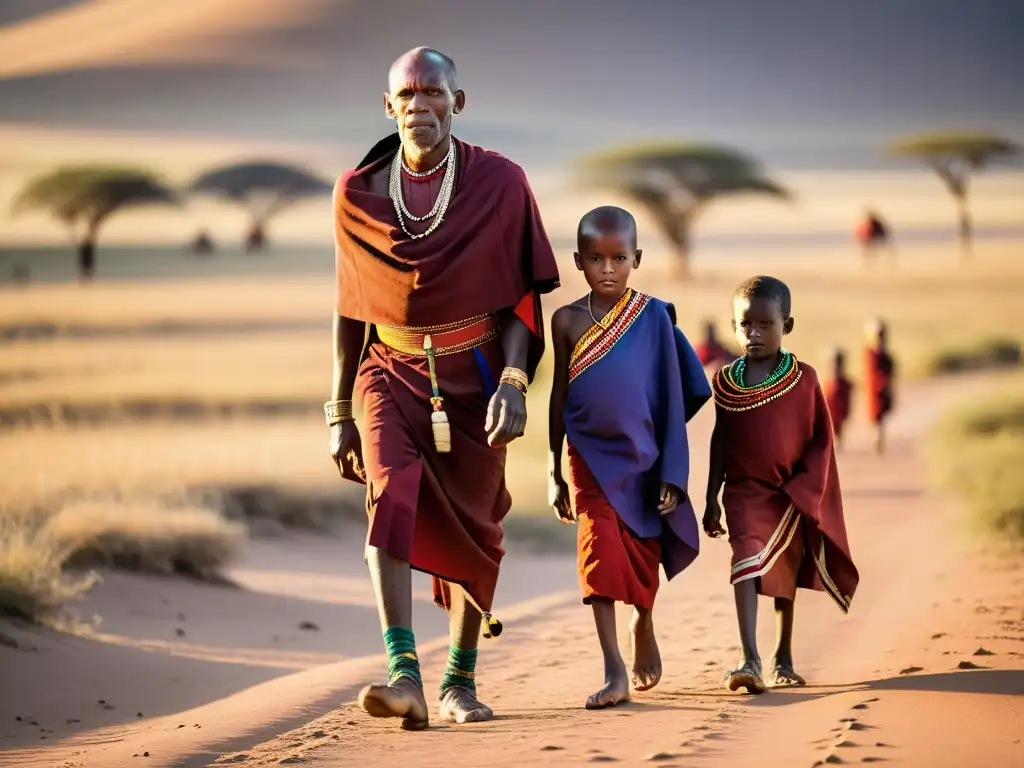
pixel 732 395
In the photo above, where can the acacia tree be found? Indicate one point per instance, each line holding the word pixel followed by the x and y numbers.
pixel 264 189
pixel 676 182
pixel 84 197
pixel 954 156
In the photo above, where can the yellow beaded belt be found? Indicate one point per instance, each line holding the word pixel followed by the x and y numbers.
pixel 442 339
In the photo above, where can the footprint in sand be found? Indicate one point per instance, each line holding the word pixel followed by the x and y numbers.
pixel 551 748
pixel 603 759
pixel 983 652
pixel 970 665
pixel 938 635
pixel 660 757
pixel 911 670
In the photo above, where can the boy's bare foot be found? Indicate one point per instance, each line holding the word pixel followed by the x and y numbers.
pixel 748 676
pixel 403 698
pixel 646 656
pixel 615 691
pixel 784 676
pixel 460 705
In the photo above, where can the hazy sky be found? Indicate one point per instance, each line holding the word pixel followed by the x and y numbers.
pixel 800 83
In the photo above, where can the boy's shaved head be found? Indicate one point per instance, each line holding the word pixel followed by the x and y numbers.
pixel 607 219
pixel 765 287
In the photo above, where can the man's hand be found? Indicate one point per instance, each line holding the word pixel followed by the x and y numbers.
pixel 347 451
pixel 669 498
pixel 713 519
pixel 506 416
pixel 558 498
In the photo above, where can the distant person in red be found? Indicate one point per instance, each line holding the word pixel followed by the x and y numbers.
pixel 879 372
pixel 710 351
pixel 872 233
pixel 837 395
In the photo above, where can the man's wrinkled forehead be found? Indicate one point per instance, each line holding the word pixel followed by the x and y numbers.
pixel 418 72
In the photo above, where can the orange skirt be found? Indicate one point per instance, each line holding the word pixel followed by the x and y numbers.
pixel 612 562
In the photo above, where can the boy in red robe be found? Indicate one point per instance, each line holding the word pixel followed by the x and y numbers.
pixel 879 372
pixel 772 449
pixel 626 382
pixel 838 389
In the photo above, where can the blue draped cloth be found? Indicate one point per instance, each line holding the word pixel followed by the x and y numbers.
pixel 633 386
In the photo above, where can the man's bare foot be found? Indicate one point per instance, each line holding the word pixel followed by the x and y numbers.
pixel 403 698
pixel 646 656
pixel 615 691
pixel 784 676
pixel 748 676
pixel 460 705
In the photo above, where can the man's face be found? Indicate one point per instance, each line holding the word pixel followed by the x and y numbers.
pixel 421 101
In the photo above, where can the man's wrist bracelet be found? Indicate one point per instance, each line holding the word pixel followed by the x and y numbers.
pixel 337 411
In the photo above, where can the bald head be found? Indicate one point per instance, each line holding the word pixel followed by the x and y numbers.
pixel 424 58
pixel 606 220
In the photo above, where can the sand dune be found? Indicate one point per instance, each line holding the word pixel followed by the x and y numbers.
pixel 119 33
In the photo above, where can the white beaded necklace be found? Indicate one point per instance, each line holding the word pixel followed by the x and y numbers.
pixel 444 195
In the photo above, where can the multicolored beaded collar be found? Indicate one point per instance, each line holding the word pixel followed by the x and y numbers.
pixel 731 394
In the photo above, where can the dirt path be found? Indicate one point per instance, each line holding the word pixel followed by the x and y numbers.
pixel 886 683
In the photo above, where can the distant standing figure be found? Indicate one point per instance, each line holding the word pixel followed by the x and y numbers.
pixel 711 353
pixel 879 372
pixel 872 233
pixel 838 389
pixel 202 243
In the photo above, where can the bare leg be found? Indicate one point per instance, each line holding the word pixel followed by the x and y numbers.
pixel 748 674
pixel 392 584
pixel 458 704
pixel 782 674
pixel 646 656
pixel 616 684
pixel 880 437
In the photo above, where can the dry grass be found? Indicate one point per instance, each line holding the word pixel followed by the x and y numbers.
pixel 44 555
pixel 978 453
pixel 33 583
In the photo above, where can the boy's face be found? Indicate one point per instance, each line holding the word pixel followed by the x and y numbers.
pixel 606 259
pixel 759 326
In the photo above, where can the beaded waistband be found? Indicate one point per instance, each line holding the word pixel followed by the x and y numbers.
pixel 445 339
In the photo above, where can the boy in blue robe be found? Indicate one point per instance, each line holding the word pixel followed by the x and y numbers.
pixel 626 382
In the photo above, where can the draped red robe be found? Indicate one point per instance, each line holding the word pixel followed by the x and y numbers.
pixel 440 512
pixel 782 498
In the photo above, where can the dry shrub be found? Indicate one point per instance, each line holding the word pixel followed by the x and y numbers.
pixel 978 453
pixel 33 583
pixel 986 355
pixel 147 537
pixel 43 554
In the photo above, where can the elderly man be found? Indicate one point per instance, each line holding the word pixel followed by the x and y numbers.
pixel 441 259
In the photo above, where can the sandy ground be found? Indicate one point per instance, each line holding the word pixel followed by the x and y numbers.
pixel 887 681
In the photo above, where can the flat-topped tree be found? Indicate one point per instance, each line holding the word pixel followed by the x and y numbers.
pixel 676 181
pixel 264 189
pixel 954 156
pixel 84 197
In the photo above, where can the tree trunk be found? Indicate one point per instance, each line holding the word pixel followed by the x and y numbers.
pixel 256 238
pixel 966 227
pixel 86 260
pixel 682 251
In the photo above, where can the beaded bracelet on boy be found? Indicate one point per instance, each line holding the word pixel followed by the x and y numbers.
pixel 337 411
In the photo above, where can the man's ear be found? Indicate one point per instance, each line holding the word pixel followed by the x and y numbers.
pixel 787 326
pixel 636 258
pixel 460 102
pixel 579 262
pixel 388 109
